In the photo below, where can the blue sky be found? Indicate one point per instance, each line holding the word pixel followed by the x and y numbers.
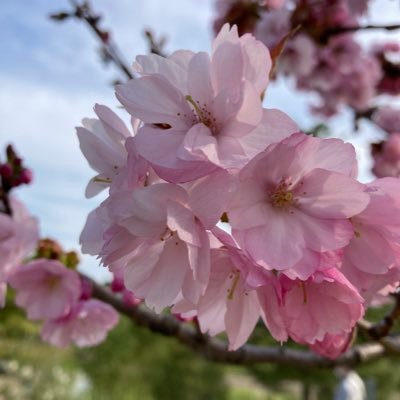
pixel 51 76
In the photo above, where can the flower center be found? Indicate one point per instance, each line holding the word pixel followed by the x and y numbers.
pixel 202 114
pixel 53 281
pixel 282 197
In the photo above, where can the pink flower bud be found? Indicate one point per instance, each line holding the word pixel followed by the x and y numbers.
pixel 26 176
pixel 6 170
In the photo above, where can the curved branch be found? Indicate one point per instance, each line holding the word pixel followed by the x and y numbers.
pixel 84 12
pixel 217 350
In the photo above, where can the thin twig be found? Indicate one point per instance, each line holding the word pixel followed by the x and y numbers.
pixel 6 202
pixel 382 328
pixel 83 12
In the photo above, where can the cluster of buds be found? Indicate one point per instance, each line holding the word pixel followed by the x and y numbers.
pixel 12 172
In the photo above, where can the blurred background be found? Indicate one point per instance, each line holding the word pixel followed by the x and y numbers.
pixel 51 75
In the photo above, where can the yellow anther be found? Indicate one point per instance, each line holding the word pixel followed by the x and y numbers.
pixel 101 180
pixel 203 114
pixel 282 197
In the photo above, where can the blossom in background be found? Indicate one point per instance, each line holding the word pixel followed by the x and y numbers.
pixel 320 57
pixel 87 324
pixel 386 157
pixel 19 235
pixel 45 289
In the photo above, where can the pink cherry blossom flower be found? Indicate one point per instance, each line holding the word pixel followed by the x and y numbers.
pixel 369 284
pixel 231 302
pixel 87 324
pixel 296 196
pixel 306 303
pixel 158 233
pixel 273 27
pixel 19 234
pixel 375 249
pixel 102 142
pixel 195 108
pixel 299 57
pixel 45 289
pixel 332 346
pixel 343 74
pixel 228 303
pixel 387 157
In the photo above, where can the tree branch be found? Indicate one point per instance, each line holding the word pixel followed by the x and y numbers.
pixel 6 202
pixel 84 12
pixel 346 29
pixel 217 350
pixel 383 327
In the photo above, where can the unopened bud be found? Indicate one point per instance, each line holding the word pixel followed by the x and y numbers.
pixel 6 170
pixel 26 176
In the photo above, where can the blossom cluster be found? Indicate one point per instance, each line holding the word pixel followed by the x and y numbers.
pixel 46 288
pixel 224 211
pixel 323 54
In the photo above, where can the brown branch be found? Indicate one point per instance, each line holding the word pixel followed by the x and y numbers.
pixel 382 328
pixel 155 45
pixel 82 11
pixel 217 350
pixel 348 29
pixel 6 202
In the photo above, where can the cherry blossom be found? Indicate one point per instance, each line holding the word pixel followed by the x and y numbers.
pixel 195 114
pixel 305 305
pixel 295 196
pixel 332 346
pixel 102 141
pixel 87 324
pixel 374 250
pixel 45 288
pixel 387 157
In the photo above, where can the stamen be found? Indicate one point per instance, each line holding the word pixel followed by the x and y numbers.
pixel 102 180
pixel 235 282
pixel 204 116
pixel 282 197
pixel 166 234
pixel 195 106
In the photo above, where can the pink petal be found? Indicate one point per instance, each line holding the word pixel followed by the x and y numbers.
pixel 155 101
pixel 327 194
